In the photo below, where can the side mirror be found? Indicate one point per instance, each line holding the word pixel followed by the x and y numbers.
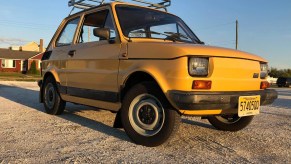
pixel 103 33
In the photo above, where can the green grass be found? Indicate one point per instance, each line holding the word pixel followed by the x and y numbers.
pixel 10 76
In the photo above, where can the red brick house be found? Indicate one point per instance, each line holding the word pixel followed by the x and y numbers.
pixel 18 61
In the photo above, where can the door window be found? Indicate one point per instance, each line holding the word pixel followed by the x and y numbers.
pixel 99 19
pixel 67 35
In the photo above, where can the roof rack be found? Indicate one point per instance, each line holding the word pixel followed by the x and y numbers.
pixel 86 4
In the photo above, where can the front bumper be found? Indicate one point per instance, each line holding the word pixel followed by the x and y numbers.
pixel 226 101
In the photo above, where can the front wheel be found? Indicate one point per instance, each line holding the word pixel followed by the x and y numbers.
pixel 230 122
pixel 147 117
pixel 52 101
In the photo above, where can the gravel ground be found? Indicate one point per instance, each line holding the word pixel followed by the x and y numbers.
pixel 85 135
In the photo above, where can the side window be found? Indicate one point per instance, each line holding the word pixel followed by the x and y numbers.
pixel 99 19
pixel 67 35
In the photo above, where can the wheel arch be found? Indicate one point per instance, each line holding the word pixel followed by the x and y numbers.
pixel 45 76
pixel 135 78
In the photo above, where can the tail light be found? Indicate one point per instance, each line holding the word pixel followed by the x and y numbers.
pixel 265 85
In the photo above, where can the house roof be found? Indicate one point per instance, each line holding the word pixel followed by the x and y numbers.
pixel 37 56
pixel 11 54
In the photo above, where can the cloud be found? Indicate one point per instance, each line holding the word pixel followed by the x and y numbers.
pixel 12 40
pixel 6 42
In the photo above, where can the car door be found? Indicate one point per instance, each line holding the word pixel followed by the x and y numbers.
pixel 92 69
pixel 60 48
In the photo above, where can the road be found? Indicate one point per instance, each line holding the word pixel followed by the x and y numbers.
pixel 85 135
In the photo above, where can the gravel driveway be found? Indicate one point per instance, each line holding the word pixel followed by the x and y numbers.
pixel 85 135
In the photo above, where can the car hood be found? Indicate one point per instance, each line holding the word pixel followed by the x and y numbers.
pixel 170 50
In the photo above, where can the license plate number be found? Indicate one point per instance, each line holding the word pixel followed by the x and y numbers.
pixel 249 105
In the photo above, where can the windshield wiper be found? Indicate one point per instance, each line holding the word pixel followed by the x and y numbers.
pixel 171 37
pixel 178 35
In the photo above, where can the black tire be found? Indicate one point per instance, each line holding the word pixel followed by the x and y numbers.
pixel 230 122
pixel 147 117
pixel 279 86
pixel 53 103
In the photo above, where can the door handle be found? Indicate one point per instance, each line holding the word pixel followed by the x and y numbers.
pixel 72 53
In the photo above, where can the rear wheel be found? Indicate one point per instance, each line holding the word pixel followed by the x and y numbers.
pixel 230 122
pixel 147 117
pixel 52 101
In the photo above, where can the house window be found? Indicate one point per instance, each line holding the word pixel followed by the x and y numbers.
pixel 39 64
pixel 7 63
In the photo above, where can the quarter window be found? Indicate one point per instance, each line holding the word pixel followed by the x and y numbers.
pixel 67 35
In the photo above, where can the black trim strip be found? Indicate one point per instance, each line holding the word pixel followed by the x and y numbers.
pixel 93 94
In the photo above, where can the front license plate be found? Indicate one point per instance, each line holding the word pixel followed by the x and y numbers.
pixel 249 105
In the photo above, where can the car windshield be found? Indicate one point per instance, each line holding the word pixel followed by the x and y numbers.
pixel 137 22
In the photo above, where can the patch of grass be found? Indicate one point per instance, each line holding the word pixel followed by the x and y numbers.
pixel 10 76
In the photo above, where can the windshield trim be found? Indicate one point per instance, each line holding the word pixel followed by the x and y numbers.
pixel 194 38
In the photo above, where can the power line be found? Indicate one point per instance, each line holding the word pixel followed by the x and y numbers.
pixel 30 27
pixel 35 26
pixel 30 23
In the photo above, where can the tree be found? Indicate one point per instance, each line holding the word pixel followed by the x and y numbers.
pixel 33 69
pixel 274 72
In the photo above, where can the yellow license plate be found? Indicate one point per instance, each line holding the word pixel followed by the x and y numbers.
pixel 249 105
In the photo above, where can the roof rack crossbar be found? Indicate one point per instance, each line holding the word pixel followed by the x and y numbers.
pixel 86 4
pixel 82 4
pixel 162 5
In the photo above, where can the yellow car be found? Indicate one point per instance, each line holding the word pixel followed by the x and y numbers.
pixel 149 67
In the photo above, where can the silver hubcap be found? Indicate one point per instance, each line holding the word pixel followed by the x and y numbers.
pixel 146 115
pixel 50 95
pixel 228 119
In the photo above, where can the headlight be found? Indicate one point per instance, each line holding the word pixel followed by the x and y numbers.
pixel 264 70
pixel 198 66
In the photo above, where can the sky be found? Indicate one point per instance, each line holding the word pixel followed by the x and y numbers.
pixel 264 25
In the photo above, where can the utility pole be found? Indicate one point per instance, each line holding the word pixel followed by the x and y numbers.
pixel 236 35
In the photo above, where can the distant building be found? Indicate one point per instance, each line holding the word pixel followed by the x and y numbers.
pixel 31 46
pixel 18 61
pixel 19 58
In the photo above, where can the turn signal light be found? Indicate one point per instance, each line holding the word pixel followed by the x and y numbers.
pixel 201 84
pixel 265 85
